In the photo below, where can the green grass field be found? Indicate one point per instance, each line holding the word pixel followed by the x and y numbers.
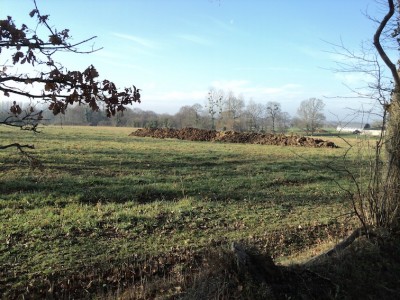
pixel 105 206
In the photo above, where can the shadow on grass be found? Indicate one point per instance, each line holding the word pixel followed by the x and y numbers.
pixel 146 181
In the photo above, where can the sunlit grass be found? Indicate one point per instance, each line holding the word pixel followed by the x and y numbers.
pixel 103 194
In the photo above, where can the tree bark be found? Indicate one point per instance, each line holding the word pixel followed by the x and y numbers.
pixel 387 210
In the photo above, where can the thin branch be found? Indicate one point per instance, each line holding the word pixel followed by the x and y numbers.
pixel 18 146
pixel 29 95
pixel 33 161
pixel 379 47
pixel 50 46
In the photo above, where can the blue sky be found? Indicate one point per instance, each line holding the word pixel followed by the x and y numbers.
pixel 175 50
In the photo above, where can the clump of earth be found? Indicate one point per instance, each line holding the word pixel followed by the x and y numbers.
pixel 195 134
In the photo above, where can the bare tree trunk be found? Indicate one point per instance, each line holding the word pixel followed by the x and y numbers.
pixel 387 212
pixel 391 198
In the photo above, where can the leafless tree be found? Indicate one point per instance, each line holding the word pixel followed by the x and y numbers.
pixel 273 111
pixel 187 116
pixel 232 110
pixel 253 114
pixel 214 104
pixel 384 193
pixel 310 113
pixel 376 199
pixel 284 121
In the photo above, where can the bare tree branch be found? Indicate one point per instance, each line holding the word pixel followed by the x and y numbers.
pixel 18 146
pixel 379 48
pixel 55 85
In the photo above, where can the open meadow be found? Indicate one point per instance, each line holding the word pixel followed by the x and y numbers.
pixel 104 211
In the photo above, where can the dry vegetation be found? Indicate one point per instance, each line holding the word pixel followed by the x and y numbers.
pixel 194 134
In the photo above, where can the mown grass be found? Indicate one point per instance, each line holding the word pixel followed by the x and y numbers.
pixel 103 197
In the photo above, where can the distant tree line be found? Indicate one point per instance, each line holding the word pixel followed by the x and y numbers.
pixel 221 111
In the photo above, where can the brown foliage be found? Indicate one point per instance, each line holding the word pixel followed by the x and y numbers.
pixel 60 87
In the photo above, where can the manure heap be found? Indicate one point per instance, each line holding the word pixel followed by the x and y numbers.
pixel 195 134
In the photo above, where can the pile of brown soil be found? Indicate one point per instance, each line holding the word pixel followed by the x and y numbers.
pixel 191 134
pixel 195 134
